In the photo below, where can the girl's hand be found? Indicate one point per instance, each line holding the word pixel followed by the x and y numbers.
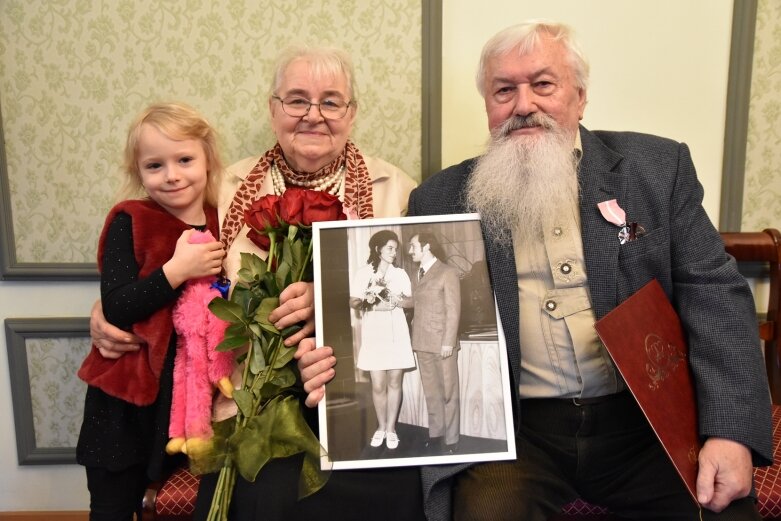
pixel 193 261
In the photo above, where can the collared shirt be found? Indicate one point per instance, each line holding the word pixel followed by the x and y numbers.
pixel 561 354
pixel 426 265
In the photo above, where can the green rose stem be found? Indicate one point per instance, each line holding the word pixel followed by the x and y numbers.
pixel 226 480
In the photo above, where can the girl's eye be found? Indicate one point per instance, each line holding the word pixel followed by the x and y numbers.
pixel 152 166
pixel 185 160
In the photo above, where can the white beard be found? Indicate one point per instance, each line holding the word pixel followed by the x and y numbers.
pixel 520 180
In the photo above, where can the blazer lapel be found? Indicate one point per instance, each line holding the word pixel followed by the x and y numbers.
pixel 599 182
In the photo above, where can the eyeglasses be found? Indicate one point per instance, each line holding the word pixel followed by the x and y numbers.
pixel 330 108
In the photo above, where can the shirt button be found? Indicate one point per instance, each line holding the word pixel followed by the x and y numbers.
pixel 557 231
pixel 565 268
pixel 550 305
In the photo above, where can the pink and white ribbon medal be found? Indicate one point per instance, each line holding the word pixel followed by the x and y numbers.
pixel 616 215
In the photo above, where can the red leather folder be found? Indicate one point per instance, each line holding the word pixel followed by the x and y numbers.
pixel 646 341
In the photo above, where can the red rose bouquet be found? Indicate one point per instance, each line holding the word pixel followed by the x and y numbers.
pixel 270 422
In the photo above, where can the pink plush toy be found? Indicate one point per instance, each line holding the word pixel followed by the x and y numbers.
pixel 198 366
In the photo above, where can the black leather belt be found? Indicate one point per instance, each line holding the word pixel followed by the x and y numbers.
pixel 593 400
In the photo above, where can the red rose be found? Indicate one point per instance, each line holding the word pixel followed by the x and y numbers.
pixel 321 206
pixel 263 214
pixel 291 205
pixel 260 239
pixel 262 217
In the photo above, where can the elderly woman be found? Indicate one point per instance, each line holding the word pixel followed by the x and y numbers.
pixel 313 107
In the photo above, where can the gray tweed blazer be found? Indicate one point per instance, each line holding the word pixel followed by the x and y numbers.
pixel 654 181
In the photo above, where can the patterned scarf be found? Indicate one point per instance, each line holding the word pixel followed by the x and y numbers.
pixel 357 189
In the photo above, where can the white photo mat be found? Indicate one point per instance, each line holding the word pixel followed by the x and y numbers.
pixel 347 415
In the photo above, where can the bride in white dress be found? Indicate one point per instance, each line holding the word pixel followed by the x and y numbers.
pixel 379 289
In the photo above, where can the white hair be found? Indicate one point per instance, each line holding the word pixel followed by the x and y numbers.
pixel 323 61
pixel 526 37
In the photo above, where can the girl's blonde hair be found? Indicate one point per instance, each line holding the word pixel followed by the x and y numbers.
pixel 177 121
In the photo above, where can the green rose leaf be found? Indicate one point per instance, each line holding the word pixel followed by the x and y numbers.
pixel 297 254
pixel 279 432
pixel 287 253
pixel 246 276
pixel 270 282
pixel 230 343
pixel 258 361
pixel 290 330
pixel 256 330
pixel 252 262
pixel 244 400
pixel 245 298
pixel 283 274
pixel 226 310
pixel 237 330
pixel 284 377
pixel 285 355
pixel 261 315
pixel 291 233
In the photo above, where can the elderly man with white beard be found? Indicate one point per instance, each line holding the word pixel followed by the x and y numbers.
pixel 557 265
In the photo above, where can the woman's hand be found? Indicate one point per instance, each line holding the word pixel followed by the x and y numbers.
pixel 296 304
pixel 110 341
pixel 317 369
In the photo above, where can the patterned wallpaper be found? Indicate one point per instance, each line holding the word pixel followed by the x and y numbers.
pixel 73 73
pixel 57 396
pixel 762 190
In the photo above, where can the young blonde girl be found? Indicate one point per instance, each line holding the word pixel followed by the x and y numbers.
pixel 144 257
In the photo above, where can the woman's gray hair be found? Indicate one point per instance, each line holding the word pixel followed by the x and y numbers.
pixel 526 37
pixel 323 61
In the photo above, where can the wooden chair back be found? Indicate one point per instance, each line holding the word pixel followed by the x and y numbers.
pixel 755 253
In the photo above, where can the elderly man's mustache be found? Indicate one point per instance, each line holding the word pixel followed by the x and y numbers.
pixel 536 119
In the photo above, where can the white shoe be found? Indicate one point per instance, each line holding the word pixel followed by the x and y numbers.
pixel 377 438
pixel 392 440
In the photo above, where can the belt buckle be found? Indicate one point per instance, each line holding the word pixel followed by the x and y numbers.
pixel 580 402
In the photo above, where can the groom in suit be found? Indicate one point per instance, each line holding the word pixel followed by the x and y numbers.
pixel 437 305
pixel 558 264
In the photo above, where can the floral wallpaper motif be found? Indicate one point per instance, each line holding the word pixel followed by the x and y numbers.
pixel 762 190
pixel 57 395
pixel 73 73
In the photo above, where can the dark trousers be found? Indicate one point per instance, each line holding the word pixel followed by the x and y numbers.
pixel 116 496
pixel 605 453
pixel 386 494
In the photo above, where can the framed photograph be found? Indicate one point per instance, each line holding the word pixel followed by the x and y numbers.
pixel 48 398
pixel 422 375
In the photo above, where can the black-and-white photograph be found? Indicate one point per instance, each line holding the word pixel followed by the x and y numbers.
pixel 421 374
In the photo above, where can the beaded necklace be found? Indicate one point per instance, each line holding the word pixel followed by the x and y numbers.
pixel 332 183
